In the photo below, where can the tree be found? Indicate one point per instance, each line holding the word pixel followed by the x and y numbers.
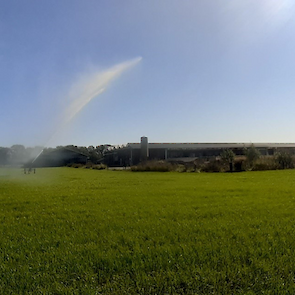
pixel 102 149
pixel 252 155
pixel 228 156
pixel 5 154
pixel 18 154
pixel 96 154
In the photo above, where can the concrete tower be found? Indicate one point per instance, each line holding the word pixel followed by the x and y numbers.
pixel 144 149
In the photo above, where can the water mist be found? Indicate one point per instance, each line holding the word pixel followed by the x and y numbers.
pixel 85 91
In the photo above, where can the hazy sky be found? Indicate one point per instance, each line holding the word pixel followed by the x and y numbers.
pixel 211 71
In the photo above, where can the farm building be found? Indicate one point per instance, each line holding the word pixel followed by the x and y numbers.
pixel 133 153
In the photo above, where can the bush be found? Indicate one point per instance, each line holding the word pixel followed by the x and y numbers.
pixel 265 163
pixel 213 166
pixel 157 166
pixel 284 160
pixel 89 165
pixel 100 167
pixel 190 169
pixel 239 165
pixel 180 168
pixel 281 160
pixel 76 165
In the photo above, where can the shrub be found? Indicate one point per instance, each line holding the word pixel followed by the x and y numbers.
pixel 284 160
pixel 89 165
pixel 190 169
pixel 76 165
pixel 157 166
pixel 265 163
pixel 180 168
pixel 99 167
pixel 239 165
pixel 198 164
pixel 213 166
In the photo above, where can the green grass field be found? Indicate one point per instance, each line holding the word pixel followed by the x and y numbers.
pixel 80 231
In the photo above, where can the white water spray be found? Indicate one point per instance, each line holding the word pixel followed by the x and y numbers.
pixel 96 85
pixel 87 90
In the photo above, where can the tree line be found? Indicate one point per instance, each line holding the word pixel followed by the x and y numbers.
pixel 19 155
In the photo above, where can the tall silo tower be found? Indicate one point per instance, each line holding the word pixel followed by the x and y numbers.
pixel 144 149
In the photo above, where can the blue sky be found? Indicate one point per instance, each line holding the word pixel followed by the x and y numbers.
pixel 211 71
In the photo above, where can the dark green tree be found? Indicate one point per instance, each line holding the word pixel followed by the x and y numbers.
pixel 252 154
pixel 5 155
pixel 228 156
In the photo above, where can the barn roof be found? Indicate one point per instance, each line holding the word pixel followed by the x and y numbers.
pixel 210 145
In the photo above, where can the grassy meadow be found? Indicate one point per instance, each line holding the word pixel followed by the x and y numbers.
pixel 81 231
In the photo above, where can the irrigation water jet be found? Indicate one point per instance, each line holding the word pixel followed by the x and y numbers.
pixel 95 86
pixel 89 89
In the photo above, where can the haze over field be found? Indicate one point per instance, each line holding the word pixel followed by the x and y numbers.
pixel 211 71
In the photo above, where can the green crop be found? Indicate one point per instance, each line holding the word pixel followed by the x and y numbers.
pixel 81 231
